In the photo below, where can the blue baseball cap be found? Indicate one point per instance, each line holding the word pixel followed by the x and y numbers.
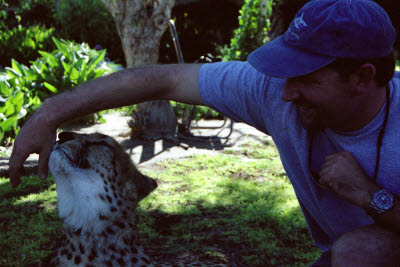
pixel 322 31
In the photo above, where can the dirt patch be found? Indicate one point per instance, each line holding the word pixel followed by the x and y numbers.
pixel 210 137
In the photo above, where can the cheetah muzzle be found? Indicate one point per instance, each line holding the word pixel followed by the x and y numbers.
pixel 98 189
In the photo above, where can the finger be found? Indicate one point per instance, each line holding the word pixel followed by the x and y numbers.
pixel 328 167
pixel 43 165
pixel 322 181
pixel 16 166
pixel 326 173
pixel 332 157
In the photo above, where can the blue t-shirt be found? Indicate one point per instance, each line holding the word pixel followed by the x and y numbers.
pixel 242 93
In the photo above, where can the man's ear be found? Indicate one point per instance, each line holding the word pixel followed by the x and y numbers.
pixel 366 78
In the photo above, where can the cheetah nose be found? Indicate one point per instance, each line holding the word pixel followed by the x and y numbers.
pixel 65 136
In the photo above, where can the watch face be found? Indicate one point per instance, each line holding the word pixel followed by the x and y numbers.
pixel 383 200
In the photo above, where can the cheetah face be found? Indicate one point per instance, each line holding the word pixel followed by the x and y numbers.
pixel 94 177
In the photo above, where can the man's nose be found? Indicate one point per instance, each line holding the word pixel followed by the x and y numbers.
pixel 290 92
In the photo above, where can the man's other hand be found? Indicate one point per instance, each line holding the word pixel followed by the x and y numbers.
pixel 342 173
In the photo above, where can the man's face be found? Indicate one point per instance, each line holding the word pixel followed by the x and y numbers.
pixel 323 99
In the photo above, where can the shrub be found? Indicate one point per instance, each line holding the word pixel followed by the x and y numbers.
pixel 89 21
pixel 251 33
pixel 201 112
pixel 24 88
pixel 67 66
pixel 36 12
pixel 3 14
pixel 16 101
pixel 23 44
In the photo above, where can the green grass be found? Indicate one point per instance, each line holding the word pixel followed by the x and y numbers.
pixel 29 222
pixel 238 208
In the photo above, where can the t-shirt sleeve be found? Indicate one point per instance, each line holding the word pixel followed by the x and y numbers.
pixel 236 90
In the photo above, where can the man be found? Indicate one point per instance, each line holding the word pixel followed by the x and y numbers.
pixel 324 91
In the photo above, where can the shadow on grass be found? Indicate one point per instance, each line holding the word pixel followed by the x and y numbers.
pixel 199 142
pixel 28 185
pixel 30 229
pixel 257 229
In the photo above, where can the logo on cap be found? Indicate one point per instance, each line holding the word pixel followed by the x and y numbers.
pixel 299 23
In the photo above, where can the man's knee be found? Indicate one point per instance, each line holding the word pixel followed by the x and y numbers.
pixel 367 246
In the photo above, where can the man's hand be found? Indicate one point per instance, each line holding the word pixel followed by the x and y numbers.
pixel 36 136
pixel 342 173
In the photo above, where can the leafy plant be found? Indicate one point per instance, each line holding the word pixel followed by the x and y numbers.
pixel 24 88
pixel 71 64
pixel 252 30
pixel 23 43
pixel 201 112
pixel 16 100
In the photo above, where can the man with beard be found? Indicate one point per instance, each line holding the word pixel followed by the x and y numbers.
pixel 325 91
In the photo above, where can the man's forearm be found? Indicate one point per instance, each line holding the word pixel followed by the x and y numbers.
pixel 126 87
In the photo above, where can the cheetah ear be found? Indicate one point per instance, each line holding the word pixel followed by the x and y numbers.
pixel 145 185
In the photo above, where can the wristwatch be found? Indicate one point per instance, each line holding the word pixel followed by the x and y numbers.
pixel 381 202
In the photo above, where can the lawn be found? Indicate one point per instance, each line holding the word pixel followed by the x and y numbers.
pixel 237 208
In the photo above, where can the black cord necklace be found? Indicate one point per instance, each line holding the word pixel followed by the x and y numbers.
pixel 316 176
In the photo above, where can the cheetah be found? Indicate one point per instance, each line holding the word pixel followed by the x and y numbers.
pixel 98 189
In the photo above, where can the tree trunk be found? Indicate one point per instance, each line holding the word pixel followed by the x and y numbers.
pixel 140 25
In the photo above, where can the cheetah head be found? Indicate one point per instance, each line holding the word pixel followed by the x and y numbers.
pixel 95 179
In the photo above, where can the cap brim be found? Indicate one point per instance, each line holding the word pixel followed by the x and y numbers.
pixel 277 59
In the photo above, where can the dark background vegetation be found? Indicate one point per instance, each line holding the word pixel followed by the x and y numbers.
pixel 203 26
pixel 226 29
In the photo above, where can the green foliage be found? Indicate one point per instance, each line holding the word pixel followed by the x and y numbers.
pixel 89 21
pixel 36 12
pixel 212 207
pixel 24 88
pixel 27 13
pixel 67 66
pixel 3 14
pixel 201 112
pixel 16 101
pixel 251 33
pixel 23 43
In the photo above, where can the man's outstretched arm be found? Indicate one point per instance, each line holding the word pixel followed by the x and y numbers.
pixel 126 87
